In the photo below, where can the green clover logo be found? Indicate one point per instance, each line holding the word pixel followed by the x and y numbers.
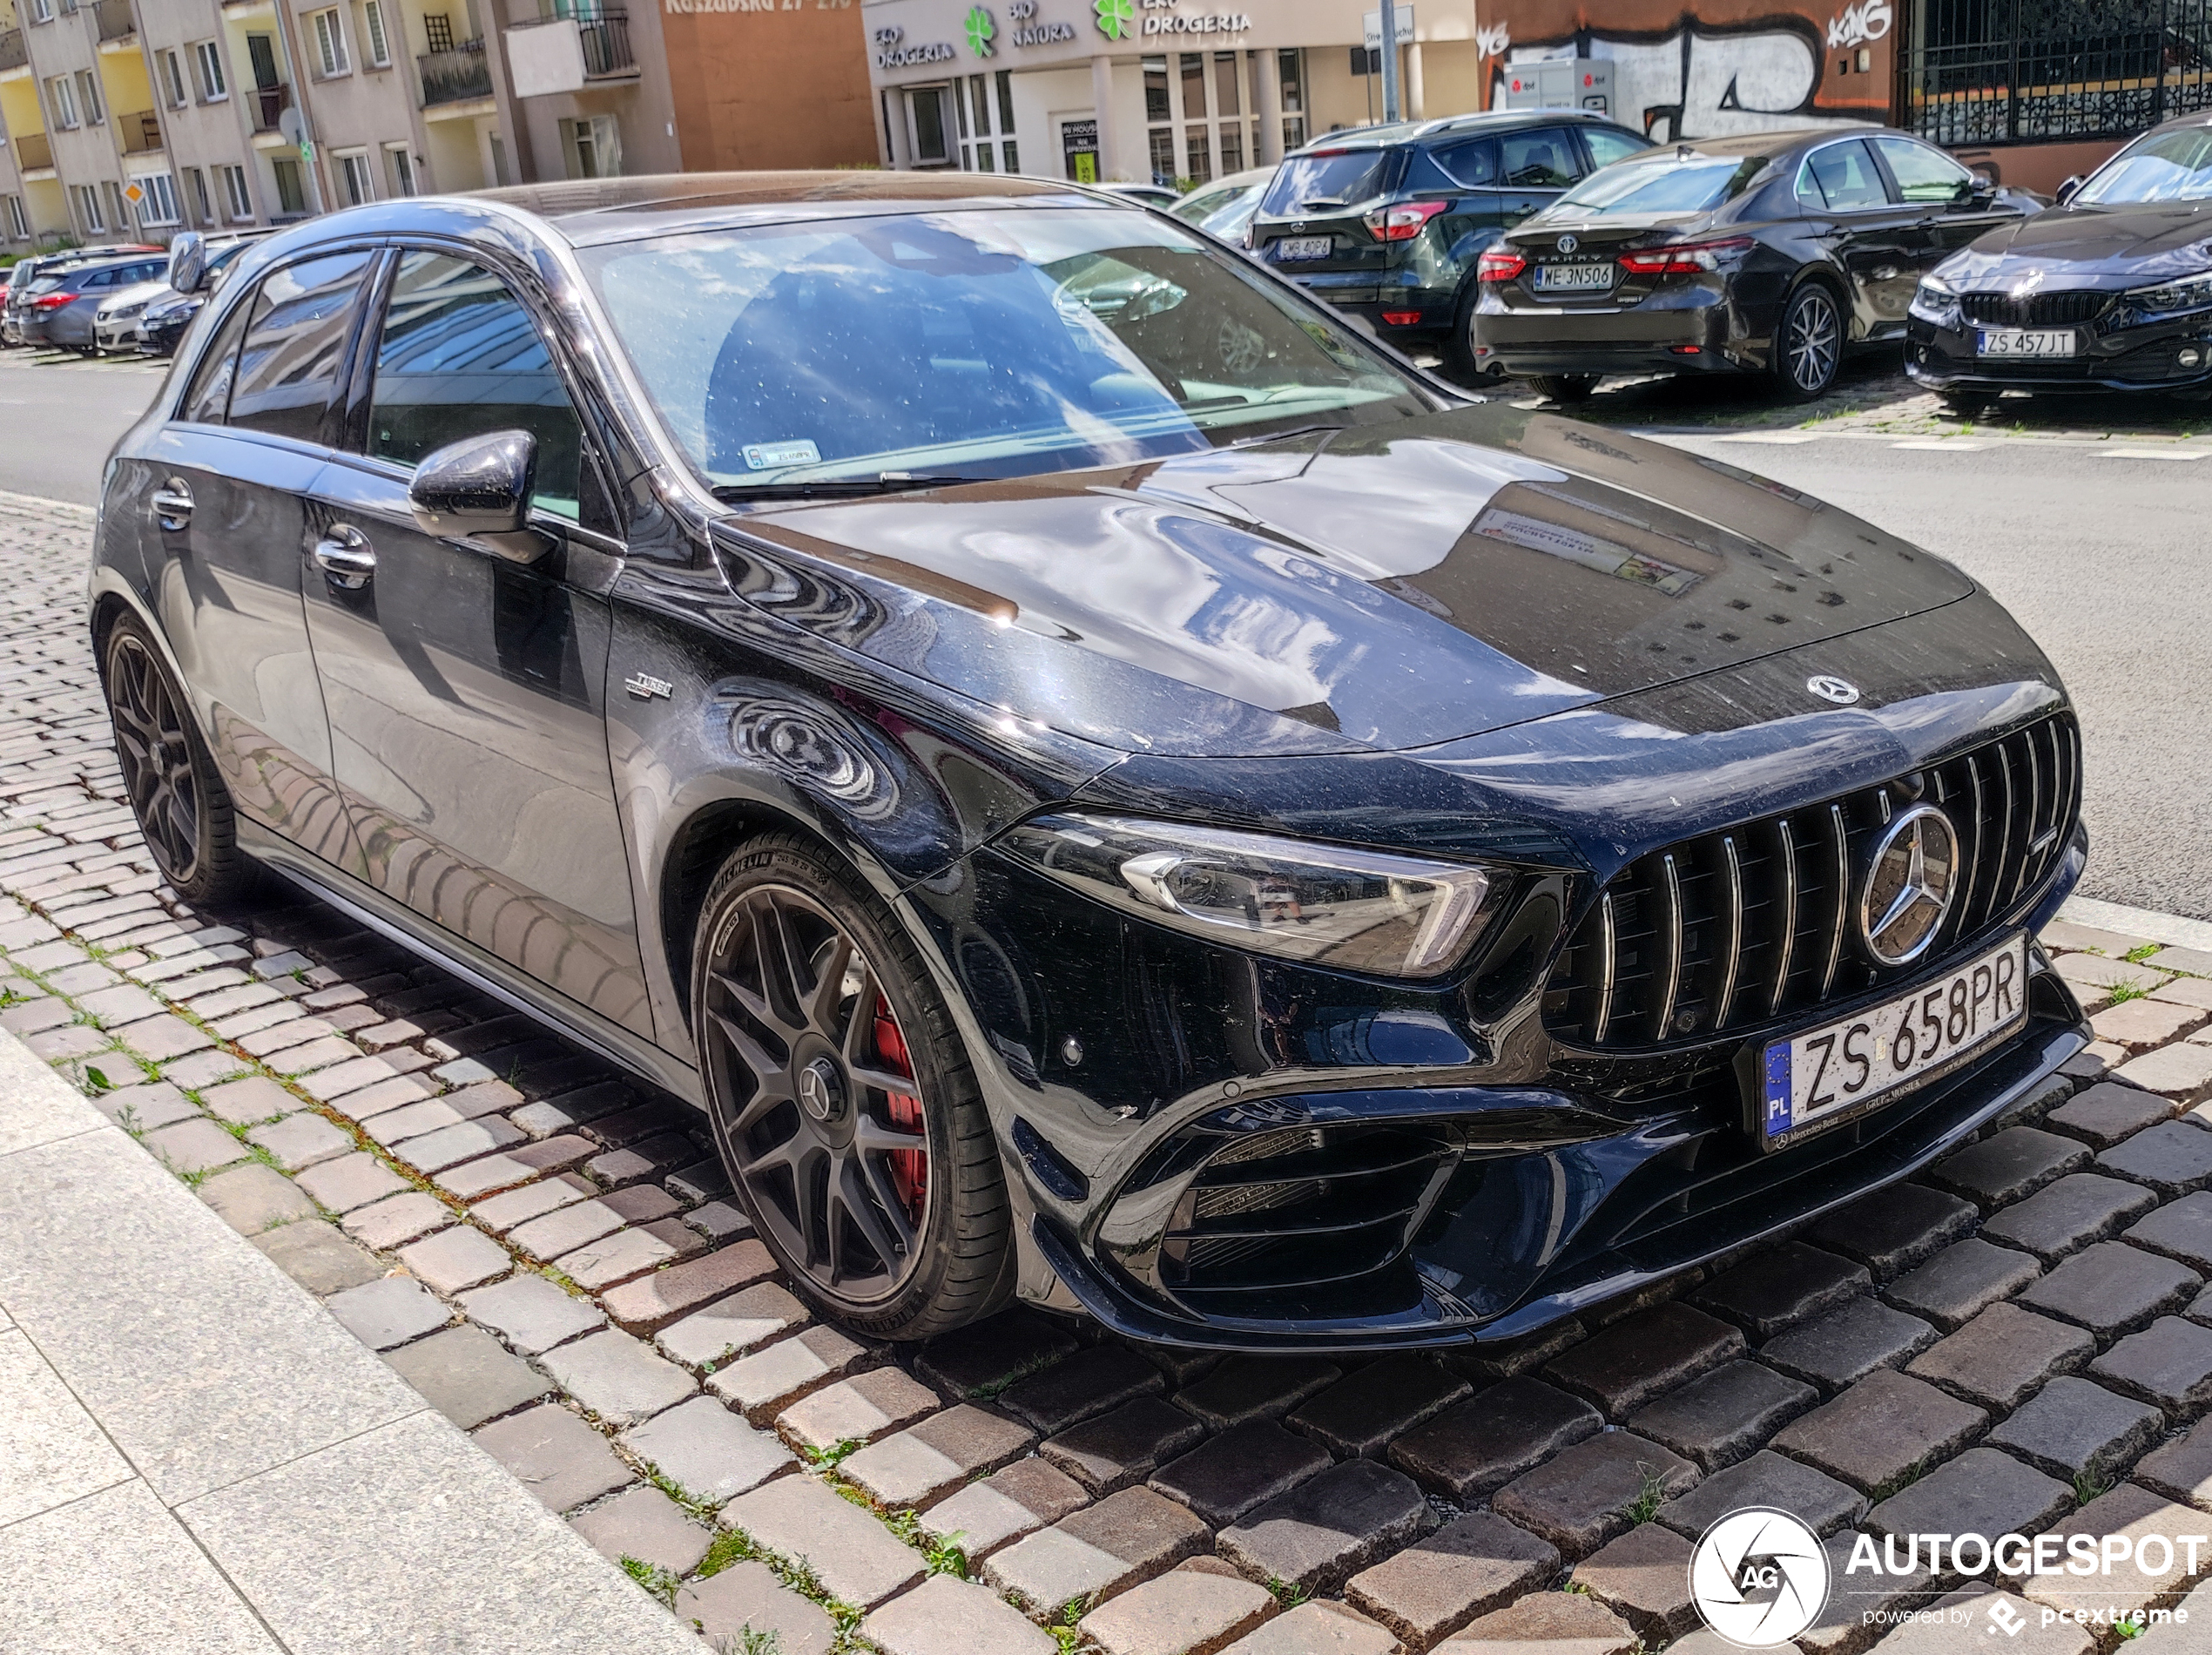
pixel 1115 18
pixel 980 31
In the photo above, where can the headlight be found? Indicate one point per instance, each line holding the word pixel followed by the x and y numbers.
pixel 1936 301
pixel 2190 292
pixel 1352 910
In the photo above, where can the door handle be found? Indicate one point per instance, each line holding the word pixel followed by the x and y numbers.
pixel 345 557
pixel 171 504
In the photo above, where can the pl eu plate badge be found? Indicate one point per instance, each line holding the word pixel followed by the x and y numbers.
pixel 1777 1090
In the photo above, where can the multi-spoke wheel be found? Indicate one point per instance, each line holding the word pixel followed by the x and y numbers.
pixel 182 806
pixel 1809 347
pixel 842 1100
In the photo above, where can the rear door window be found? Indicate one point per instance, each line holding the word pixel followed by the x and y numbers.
pixel 1840 177
pixel 1471 163
pixel 295 345
pixel 1545 158
pixel 1923 174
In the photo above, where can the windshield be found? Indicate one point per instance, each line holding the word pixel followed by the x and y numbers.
pixel 1678 183
pixel 972 344
pixel 2162 167
pixel 1201 204
pixel 1324 179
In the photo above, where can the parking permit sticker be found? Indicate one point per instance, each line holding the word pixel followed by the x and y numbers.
pixel 772 456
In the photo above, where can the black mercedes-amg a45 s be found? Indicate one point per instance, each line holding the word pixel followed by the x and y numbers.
pixel 1102 785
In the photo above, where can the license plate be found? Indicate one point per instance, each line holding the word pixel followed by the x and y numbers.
pixel 1292 249
pixel 1574 278
pixel 2025 342
pixel 1828 1075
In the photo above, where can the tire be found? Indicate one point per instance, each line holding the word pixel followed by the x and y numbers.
pixel 1565 389
pixel 803 1090
pixel 183 809
pixel 1460 365
pixel 1808 343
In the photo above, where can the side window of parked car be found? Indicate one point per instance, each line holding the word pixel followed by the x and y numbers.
pixel 1923 174
pixel 1841 176
pixel 1471 163
pixel 208 402
pixel 461 356
pixel 295 345
pixel 1607 146
pixel 1543 159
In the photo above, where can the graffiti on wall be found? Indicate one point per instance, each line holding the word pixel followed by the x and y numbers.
pixel 1702 77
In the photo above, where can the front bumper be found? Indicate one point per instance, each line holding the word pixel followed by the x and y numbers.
pixel 2168 356
pixel 116 335
pixel 1694 328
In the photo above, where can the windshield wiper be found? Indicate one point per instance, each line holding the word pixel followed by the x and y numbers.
pixel 835 487
pixel 1321 201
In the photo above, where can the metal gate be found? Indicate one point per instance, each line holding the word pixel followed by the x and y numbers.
pixel 2034 72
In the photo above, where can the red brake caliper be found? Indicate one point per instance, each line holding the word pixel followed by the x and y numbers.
pixel 909 1167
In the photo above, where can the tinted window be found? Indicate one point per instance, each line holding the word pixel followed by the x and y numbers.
pixel 295 345
pixel 209 399
pixel 461 357
pixel 2160 166
pixel 1841 176
pixel 1323 180
pixel 1608 146
pixel 1677 182
pixel 1472 161
pixel 1543 159
pixel 1923 174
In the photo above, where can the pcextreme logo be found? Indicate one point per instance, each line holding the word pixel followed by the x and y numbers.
pixel 1759 1577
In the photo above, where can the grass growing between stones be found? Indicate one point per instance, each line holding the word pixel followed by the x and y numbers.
pixel 734 1545
pixel 661 1583
pixel 2120 993
pixel 1649 1499
pixel 827 1459
pixel 945 1557
pixel 1286 1596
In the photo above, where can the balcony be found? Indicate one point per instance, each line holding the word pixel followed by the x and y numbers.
pixel 269 103
pixel 116 18
pixel 456 75
pixel 14 51
pixel 141 132
pixel 34 154
pixel 604 36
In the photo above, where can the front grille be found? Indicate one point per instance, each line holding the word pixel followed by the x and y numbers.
pixel 1303 1209
pixel 1740 929
pixel 2067 308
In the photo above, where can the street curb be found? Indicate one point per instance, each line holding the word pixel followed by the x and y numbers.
pixel 30 503
pixel 2173 930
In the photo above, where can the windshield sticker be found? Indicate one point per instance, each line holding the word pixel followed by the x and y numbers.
pixel 774 456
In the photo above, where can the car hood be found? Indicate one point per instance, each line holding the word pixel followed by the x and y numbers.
pixel 2092 246
pixel 1377 588
pixel 139 293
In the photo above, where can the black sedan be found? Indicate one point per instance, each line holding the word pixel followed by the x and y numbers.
pixel 2112 291
pixel 1105 787
pixel 1771 254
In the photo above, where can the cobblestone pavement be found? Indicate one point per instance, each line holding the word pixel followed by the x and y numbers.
pixel 2020 1340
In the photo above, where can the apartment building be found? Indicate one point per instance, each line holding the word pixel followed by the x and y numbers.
pixel 125 119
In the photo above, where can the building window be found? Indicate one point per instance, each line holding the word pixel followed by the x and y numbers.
pixel 355 178
pixel 236 198
pixel 61 102
pixel 88 98
pixel 437 30
pixel 400 165
pixel 933 141
pixel 975 122
pixel 212 87
pixel 119 211
pixel 18 220
pixel 41 11
pixel 89 216
pixel 158 206
pixel 330 43
pixel 593 147
pixel 173 79
pixel 203 204
pixel 1291 65
pixel 291 195
pixel 380 49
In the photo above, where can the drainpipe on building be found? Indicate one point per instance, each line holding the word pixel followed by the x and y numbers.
pixel 1390 60
pixel 1102 99
pixel 1271 106
pixel 319 198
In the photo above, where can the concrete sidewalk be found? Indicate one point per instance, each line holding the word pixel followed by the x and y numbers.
pixel 197 1459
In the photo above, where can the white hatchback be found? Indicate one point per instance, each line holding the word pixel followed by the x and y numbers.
pixel 116 325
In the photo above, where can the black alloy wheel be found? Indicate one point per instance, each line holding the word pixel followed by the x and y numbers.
pixel 846 1110
pixel 1565 389
pixel 1809 346
pixel 183 810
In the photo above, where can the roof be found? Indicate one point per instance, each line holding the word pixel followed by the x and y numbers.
pixel 704 192
pixel 1381 137
pixel 1747 144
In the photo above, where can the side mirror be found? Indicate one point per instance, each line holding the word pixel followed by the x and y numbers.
pixel 188 262
pixel 2068 190
pixel 479 489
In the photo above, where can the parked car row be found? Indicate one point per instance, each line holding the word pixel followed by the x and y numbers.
pixel 96 300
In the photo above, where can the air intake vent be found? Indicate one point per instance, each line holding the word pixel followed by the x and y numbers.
pixel 2067 308
pixel 1741 928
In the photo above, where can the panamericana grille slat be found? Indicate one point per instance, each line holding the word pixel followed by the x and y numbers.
pixel 2068 306
pixel 1759 922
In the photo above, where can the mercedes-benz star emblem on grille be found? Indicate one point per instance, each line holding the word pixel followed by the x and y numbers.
pixel 1567 244
pixel 1841 691
pixel 1909 884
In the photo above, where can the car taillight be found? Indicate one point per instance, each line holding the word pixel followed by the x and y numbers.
pixel 1685 257
pixel 1500 264
pixel 1402 222
pixel 51 301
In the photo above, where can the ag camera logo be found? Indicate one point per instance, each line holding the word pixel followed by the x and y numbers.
pixel 1759 1577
